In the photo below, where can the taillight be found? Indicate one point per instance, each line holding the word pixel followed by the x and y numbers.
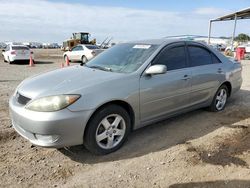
pixel 13 52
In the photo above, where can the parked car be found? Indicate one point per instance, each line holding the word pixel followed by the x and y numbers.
pixel 2 45
pixel 15 53
pixel 247 48
pixel 82 53
pixel 124 88
pixel 219 47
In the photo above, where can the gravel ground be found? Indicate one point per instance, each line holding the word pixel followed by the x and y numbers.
pixel 197 149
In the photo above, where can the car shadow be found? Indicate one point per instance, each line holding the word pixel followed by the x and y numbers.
pixel 26 62
pixel 165 134
pixel 43 62
pixel 213 184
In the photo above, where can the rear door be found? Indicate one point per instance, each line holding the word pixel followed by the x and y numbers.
pixel 166 93
pixel 207 73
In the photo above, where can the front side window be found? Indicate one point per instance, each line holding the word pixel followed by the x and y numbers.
pixel 174 58
pixel 199 56
pixel 80 48
pixel 77 48
pixel 74 49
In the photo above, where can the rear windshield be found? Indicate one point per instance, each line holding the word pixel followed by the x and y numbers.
pixel 92 47
pixel 20 48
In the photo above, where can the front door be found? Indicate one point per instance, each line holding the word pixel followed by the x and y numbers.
pixel 167 93
pixel 73 55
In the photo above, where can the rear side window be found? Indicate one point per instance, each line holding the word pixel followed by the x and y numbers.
pixel 199 56
pixel 174 58
pixel 19 48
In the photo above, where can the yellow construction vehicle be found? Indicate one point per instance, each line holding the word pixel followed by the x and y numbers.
pixel 78 38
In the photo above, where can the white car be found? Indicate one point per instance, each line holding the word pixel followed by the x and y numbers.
pixel 82 53
pixel 14 53
pixel 247 48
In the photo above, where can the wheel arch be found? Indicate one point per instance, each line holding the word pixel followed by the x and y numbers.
pixel 121 103
pixel 83 55
pixel 229 87
pixel 65 55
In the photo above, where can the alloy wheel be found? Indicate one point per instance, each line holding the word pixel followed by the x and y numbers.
pixel 110 131
pixel 221 99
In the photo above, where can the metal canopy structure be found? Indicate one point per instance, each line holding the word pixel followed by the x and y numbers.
pixel 239 15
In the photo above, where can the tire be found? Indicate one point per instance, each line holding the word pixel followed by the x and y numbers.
pixel 84 59
pixel 107 130
pixel 4 60
pixel 10 62
pixel 220 99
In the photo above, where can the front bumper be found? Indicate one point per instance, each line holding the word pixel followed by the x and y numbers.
pixel 49 129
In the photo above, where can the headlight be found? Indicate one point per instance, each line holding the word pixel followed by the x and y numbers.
pixel 52 103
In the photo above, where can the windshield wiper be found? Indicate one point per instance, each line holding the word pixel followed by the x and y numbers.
pixel 100 68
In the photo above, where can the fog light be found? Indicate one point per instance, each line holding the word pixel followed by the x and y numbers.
pixel 47 138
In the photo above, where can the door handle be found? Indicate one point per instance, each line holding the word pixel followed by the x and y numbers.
pixel 186 77
pixel 220 70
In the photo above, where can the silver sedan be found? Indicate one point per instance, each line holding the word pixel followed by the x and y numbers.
pixel 126 87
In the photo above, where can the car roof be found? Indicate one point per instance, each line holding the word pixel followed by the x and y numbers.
pixel 86 45
pixel 163 41
pixel 18 45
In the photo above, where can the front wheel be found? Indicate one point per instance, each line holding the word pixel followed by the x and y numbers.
pixel 107 130
pixel 4 60
pixel 220 99
pixel 66 58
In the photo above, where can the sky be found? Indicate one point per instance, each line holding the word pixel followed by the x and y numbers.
pixel 124 20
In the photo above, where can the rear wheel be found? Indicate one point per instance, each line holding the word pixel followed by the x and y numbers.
pixel 220 99
pixel 107 130
pixel 10 62
pixel 84 59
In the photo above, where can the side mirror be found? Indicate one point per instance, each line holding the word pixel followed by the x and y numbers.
pixel 156 69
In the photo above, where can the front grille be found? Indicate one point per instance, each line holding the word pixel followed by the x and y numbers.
pixel 22 99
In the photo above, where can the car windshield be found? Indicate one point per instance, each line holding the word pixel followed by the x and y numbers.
pixel 124 58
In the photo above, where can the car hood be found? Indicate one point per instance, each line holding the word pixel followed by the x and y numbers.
pixel 70 80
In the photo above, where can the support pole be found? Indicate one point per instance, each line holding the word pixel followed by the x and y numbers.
pixel 235 22
pixel 209 31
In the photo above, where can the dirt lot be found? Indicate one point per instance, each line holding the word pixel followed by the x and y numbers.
pixel 198 149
